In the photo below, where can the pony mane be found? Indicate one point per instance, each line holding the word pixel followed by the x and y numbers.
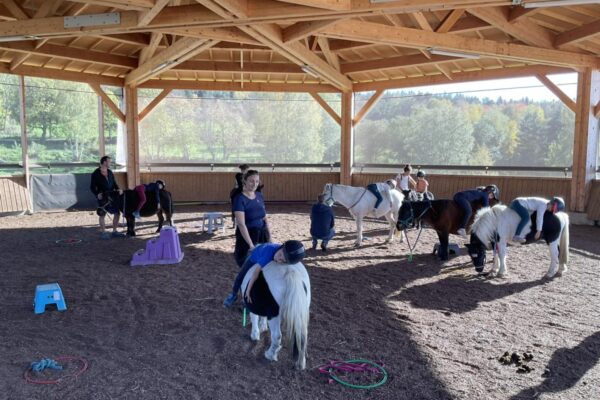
pixel 486 223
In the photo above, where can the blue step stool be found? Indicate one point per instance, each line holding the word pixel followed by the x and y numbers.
pixel 48 294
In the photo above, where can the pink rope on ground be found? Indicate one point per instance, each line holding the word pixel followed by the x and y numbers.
pixel 84 366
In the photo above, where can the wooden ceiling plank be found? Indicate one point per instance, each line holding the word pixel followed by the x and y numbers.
pixel 450 20
pixel 367 107
pixel 108 101
pixel 301 30
pixel 557 92
pixel 518 12
pixel 575 35
pixel 524 30
pixel 326 107
pixel 235 67
pixel 52 73
pixel 137 5
pixel 149 15
pixel 406 37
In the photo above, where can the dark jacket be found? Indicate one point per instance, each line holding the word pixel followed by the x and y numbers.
pixel 322 220
pixel 474 195
pixel 101 184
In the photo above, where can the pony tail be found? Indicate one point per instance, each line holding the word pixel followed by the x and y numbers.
pixel 563 257
pixel 294 312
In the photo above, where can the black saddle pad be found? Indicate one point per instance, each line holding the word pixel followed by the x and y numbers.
pixel 263 302
pixel 550 228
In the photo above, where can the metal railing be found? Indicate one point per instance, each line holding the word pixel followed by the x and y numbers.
pixel 484 168
pixel 212 166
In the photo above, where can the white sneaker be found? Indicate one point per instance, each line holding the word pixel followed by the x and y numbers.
pixel 462 232
pixel 519 239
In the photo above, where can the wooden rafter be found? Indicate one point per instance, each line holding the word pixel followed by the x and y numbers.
pixel 397 36
pixel 520 12
pixel 367 107
pixel 179 52
pixel 557 92
pixel 108 101
pixel 156 101
pixel 301 30
pixel 149 15
pixel 326 107
pixel 575 35
pixel 450 20
pixel 522 29
pixel 327 4
pixel 330 56
pixel 15 9
pixel 393 62
pixel 237 87
pixel 148 51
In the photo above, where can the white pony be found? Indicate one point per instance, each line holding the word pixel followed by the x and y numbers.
pixel 360 203
pixel 283 295
pixel 497 225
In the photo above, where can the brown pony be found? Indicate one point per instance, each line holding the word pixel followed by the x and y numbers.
pixel 444 216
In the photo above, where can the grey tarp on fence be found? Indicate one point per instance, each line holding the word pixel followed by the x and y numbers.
pixel 61 191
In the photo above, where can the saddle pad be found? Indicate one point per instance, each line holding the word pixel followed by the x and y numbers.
pixel 263 302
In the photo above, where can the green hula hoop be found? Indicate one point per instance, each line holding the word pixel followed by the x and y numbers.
pixel 372 386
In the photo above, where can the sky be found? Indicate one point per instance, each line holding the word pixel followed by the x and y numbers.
pixel 508 89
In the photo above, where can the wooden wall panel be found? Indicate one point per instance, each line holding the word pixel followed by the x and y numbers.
pixel 444 186
pixel 215 186
pixel 13 194
pixel 593 206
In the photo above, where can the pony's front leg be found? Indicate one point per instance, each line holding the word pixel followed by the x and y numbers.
pixel 495 260
pixel 359 236
pixel 255 332
pixel 274 326
pixel 390 219
pixel 553 259
pixel 502 246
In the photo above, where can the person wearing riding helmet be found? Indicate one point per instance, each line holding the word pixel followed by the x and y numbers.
pixel 465 198
pixel 525 206
pixel 422 185
pixel 153 187
pixel 290 252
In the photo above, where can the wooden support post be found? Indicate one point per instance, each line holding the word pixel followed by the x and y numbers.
pixel 101 144
pixel 585 147
pixel 131 129
pixel 24 156
pixel 347 140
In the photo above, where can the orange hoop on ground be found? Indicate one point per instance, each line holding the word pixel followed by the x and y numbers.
pixel 83 366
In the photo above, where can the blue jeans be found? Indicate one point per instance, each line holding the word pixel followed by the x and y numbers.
pixel 373 189
pixel 523 213
pixel 325 239
pixel 466 207
pixel 239 279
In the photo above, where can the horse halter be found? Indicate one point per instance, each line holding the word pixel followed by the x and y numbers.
pixel 330 198
pixel 408 221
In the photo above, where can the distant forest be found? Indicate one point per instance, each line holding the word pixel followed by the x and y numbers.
pixel 197 126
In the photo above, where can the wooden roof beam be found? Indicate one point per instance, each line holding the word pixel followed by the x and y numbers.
pixel 148 51
pixel 156 101
pixel 301 30
pixel 238 87
pixel 367 107
pixel 518 12
pixel 412 60
pixel 53 73
pixel 469 76
pixel 524 30
pixel 108 101
pixel 138 5
pixel 450 20
pixel 326 107
pixel 235 67
pixel 396 36
pixel 575 35
pixel 327 4
pixel 149 15
pixel 330 56
pixel 15 9
pixel 557 92
pixel 179 52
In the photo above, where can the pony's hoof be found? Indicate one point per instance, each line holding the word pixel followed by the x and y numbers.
pixel 356 244
pixel 551 276
pixel 270 356
pixel 255 336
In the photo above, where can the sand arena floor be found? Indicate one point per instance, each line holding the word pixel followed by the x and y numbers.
pixel 161 332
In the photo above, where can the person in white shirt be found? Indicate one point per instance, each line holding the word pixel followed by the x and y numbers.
pixel 525 206
pixel 404 180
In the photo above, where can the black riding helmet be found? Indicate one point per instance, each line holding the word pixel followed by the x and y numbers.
pixel 161 183
pixel 558 204
pixel 421 174
pixel 293 251
pixel 493 189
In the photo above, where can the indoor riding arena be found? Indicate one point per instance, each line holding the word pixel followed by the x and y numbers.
pixel 143 144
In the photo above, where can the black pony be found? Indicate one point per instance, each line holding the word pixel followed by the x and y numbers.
pixel 443 216
pixel 127 204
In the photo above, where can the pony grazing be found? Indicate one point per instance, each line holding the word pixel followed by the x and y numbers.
pixel 127 203
pixel 280 293
pixel 443 216
pixel 497 225
pixel 360 203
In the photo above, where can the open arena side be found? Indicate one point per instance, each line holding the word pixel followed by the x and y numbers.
pixel 161 332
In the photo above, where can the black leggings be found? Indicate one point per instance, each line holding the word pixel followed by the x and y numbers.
pixel 257 235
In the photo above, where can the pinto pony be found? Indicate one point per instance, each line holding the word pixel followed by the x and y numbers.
pixel 360 203
pixel 280 294
pixel 127 204
pixel 497 225
pixel 443 216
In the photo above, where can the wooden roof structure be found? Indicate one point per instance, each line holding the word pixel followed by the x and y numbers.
pixel 295 45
